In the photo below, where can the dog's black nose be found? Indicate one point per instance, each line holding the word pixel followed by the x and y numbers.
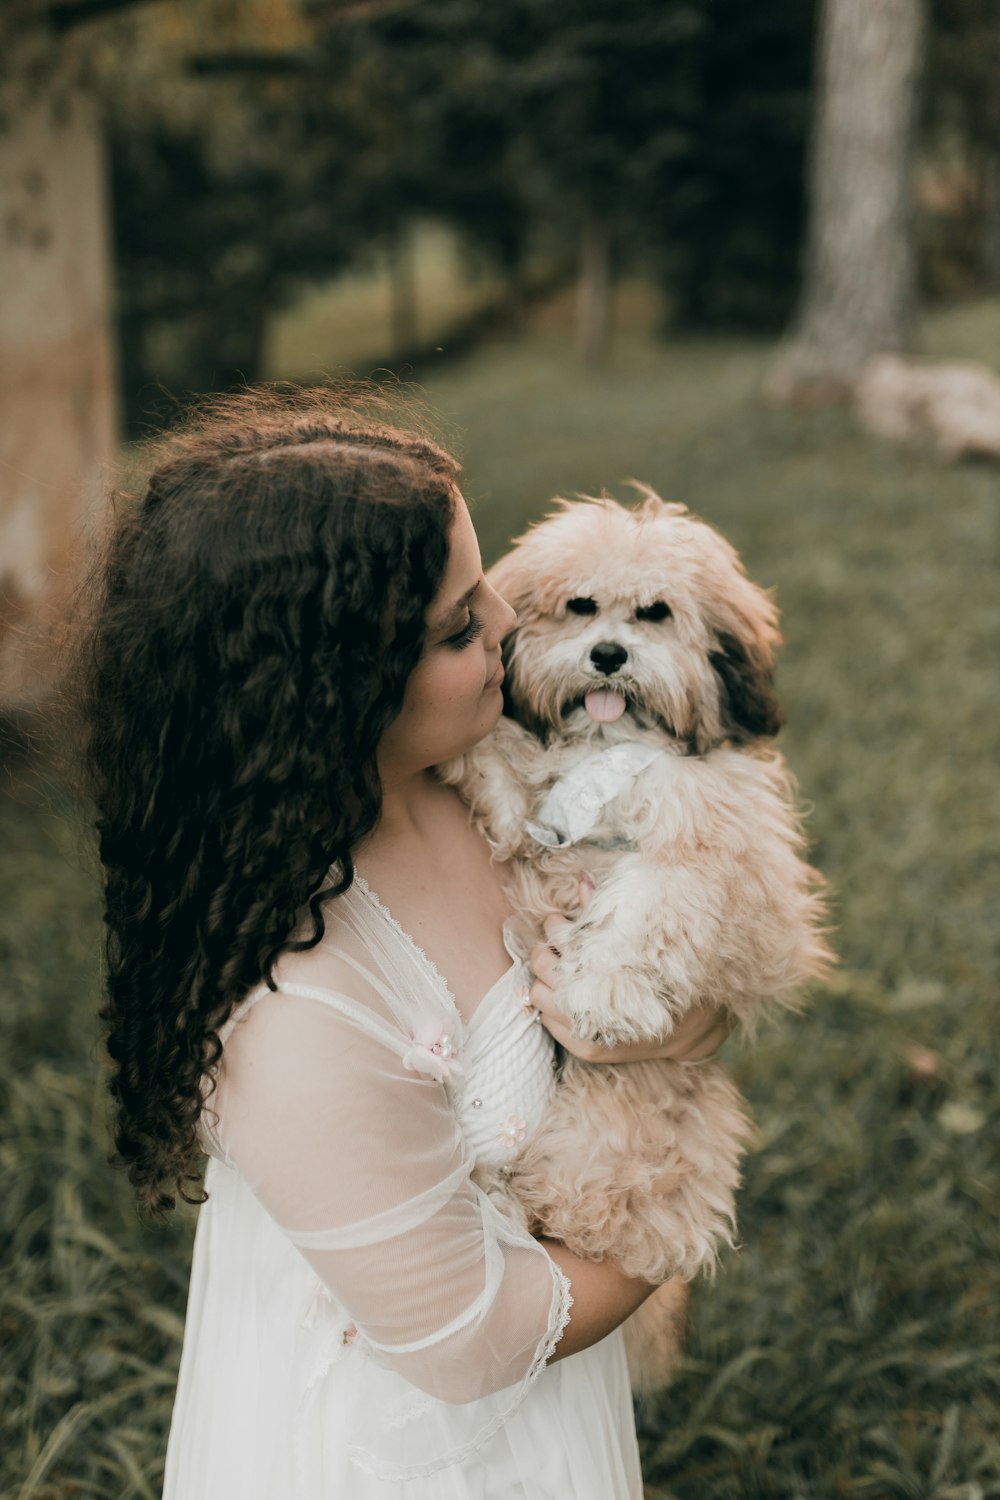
pixel 607 657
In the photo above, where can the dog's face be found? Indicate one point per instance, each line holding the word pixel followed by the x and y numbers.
pixel 639 616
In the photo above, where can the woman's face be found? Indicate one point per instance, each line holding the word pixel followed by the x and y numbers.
pixel 453 695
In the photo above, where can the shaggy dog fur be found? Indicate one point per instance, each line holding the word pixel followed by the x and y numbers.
pixel 640 627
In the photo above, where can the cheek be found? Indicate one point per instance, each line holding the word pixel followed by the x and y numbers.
pixel 446 682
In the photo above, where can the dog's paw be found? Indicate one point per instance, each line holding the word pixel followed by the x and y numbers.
pixel 616 1007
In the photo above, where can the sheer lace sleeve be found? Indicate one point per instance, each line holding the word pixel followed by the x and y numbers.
pixel 351 1146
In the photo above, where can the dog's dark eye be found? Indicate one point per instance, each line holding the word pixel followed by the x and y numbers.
pixel 582 606
pixel 657 611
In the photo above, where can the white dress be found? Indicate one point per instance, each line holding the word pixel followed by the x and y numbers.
pixel 363 1322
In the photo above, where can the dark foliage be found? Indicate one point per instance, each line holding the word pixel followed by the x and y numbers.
pixel 680 124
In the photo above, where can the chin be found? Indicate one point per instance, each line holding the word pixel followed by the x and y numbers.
pixel 636 748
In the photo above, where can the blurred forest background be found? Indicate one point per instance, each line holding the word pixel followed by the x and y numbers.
pixel 650 238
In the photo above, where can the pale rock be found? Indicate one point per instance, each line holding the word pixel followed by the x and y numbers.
pixel 953 405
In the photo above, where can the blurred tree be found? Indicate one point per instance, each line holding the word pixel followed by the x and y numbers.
pixel 609 94
pixel 535 124
pixel 858 290
pixel 218 175
pixel 454 66
pixel 249 164
pixel 729 205
pixel 56 365
pixel 667 137
pixel 659 134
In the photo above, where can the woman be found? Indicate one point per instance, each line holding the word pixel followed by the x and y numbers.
pixel 293 630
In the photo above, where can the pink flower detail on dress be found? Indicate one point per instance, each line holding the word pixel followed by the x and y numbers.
pixel 433 1052
pixel 511 1133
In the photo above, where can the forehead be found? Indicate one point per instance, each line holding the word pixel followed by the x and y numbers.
pixel 463 567
pixel 613 555
pixel 463 544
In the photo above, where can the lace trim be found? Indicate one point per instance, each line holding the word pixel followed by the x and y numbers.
pixel 414 947
pixel 562 1301
pixel 562 1298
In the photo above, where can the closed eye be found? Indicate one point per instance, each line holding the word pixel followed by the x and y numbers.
pixel 582 606
pixel 469 633
pixel 657 611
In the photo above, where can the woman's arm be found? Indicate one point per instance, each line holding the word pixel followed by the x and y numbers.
pixel 360 1162
pixel 602 1299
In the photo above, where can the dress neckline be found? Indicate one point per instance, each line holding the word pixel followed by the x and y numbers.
pixel 427 961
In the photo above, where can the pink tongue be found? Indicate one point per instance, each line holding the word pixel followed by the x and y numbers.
pixel 604 705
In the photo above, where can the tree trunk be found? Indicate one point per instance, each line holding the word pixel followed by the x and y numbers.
pixel 593 312
pixel 56 369
pixel 990 253
pixel 514 296
pixel 858 290
pixel 226 348
pixel 403 292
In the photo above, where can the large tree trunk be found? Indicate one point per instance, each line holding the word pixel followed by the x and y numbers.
pixel 858 291
pixel 56 371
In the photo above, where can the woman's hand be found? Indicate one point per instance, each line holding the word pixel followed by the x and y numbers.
pixel 697 1037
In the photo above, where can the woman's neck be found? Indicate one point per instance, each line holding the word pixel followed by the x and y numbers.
pixel 411 813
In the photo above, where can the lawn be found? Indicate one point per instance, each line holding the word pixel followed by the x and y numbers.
pixel 852 1347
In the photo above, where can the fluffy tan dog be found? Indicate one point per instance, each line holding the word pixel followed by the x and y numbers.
pixel 638 699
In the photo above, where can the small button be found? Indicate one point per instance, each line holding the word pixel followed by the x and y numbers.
pixel 477 1104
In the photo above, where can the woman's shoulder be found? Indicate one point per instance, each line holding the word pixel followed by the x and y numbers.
pixel 362 974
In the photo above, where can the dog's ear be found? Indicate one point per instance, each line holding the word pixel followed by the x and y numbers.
pixel 748 708
pixel 507 652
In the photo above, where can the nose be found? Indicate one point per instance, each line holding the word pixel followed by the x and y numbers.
pixel 505 621
pixel 608 656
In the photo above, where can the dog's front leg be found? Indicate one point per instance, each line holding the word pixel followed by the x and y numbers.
pixel 494 781
pixel 639 957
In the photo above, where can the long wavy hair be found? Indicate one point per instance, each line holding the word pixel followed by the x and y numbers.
pixel 255 619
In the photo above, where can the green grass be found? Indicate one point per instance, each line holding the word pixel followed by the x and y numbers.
pixel 851 1350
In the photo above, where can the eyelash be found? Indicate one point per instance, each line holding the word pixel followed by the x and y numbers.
pixel 470 633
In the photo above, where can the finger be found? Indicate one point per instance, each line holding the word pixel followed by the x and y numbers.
pixel 542 962
pixel 555 928
pixel 560 1027
pixel 559 1030
pixel 586 889
pixel 542 997
pixel 558 1024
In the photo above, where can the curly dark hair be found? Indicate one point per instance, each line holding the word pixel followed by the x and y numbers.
pixel 256 618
